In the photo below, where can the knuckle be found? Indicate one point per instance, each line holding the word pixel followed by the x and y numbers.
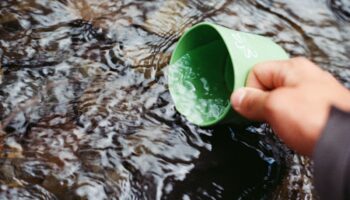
pixel 300 63
pixel 258 67
pixel 287 66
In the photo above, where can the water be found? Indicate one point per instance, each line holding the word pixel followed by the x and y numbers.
pixel 198 88
pixel 86 113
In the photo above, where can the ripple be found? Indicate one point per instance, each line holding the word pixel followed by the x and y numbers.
pixel 86 113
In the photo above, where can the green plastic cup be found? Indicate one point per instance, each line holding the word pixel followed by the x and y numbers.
pixel 208 64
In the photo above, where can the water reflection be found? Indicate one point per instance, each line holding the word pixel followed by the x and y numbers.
pixel 86 114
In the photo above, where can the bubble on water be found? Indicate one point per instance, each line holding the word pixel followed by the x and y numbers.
pixel 205 85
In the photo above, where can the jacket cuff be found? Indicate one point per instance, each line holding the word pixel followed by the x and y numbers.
pixel 332 157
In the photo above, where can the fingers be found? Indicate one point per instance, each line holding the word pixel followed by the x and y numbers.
pixel 250 103
pixel 273 74
pixel 270 79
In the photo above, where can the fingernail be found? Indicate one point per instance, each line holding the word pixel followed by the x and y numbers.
pixel 238 97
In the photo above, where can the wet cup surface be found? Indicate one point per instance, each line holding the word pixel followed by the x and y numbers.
pixel 208 64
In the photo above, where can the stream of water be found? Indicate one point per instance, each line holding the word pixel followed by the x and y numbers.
pixel 86 113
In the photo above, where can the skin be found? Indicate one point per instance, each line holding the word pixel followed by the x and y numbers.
pixel 294 96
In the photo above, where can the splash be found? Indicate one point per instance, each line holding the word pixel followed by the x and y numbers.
pixel 194 92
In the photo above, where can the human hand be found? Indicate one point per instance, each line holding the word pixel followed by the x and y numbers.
pixel 294 97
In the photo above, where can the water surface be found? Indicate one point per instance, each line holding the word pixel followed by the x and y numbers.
pixel 86 113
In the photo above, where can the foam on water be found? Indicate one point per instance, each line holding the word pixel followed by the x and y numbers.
pixel 195 101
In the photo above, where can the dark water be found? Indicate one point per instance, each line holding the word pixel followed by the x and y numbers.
pixel 86 114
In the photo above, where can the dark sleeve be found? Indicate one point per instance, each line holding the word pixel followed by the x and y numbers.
pixel 332 158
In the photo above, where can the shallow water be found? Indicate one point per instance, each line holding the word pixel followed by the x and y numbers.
pixel 86 114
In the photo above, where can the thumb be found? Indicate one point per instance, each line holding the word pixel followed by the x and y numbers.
pixel 250 103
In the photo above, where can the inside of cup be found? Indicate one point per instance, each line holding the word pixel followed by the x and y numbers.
pixel 201 76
